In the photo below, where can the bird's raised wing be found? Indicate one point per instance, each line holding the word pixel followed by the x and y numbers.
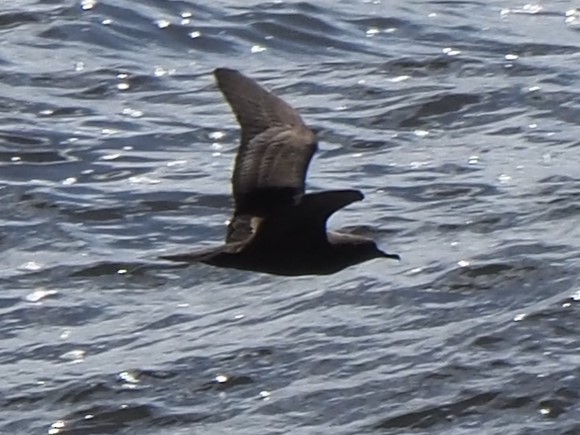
pixel 275 150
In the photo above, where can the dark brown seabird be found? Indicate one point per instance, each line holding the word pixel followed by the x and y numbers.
pixel 277 228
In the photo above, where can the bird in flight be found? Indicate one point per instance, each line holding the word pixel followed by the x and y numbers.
pixel 276 227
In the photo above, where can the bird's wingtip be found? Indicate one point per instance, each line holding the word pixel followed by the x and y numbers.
pixel 353 194
pixel 221 72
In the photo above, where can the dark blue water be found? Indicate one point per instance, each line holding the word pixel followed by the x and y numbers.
pixel 458 120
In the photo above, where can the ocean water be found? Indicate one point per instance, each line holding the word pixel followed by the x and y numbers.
pixel 459 120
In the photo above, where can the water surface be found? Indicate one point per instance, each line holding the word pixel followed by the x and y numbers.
pixel 459 122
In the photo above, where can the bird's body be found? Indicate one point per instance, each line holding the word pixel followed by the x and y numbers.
pixel 311 260
pixel 276 227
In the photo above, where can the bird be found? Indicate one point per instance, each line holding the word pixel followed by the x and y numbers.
pixel 277 228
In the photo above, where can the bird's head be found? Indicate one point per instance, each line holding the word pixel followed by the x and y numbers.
pixel 359 248
pixel 369 250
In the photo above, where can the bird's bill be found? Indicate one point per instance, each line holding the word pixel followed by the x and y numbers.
pixel 391 256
